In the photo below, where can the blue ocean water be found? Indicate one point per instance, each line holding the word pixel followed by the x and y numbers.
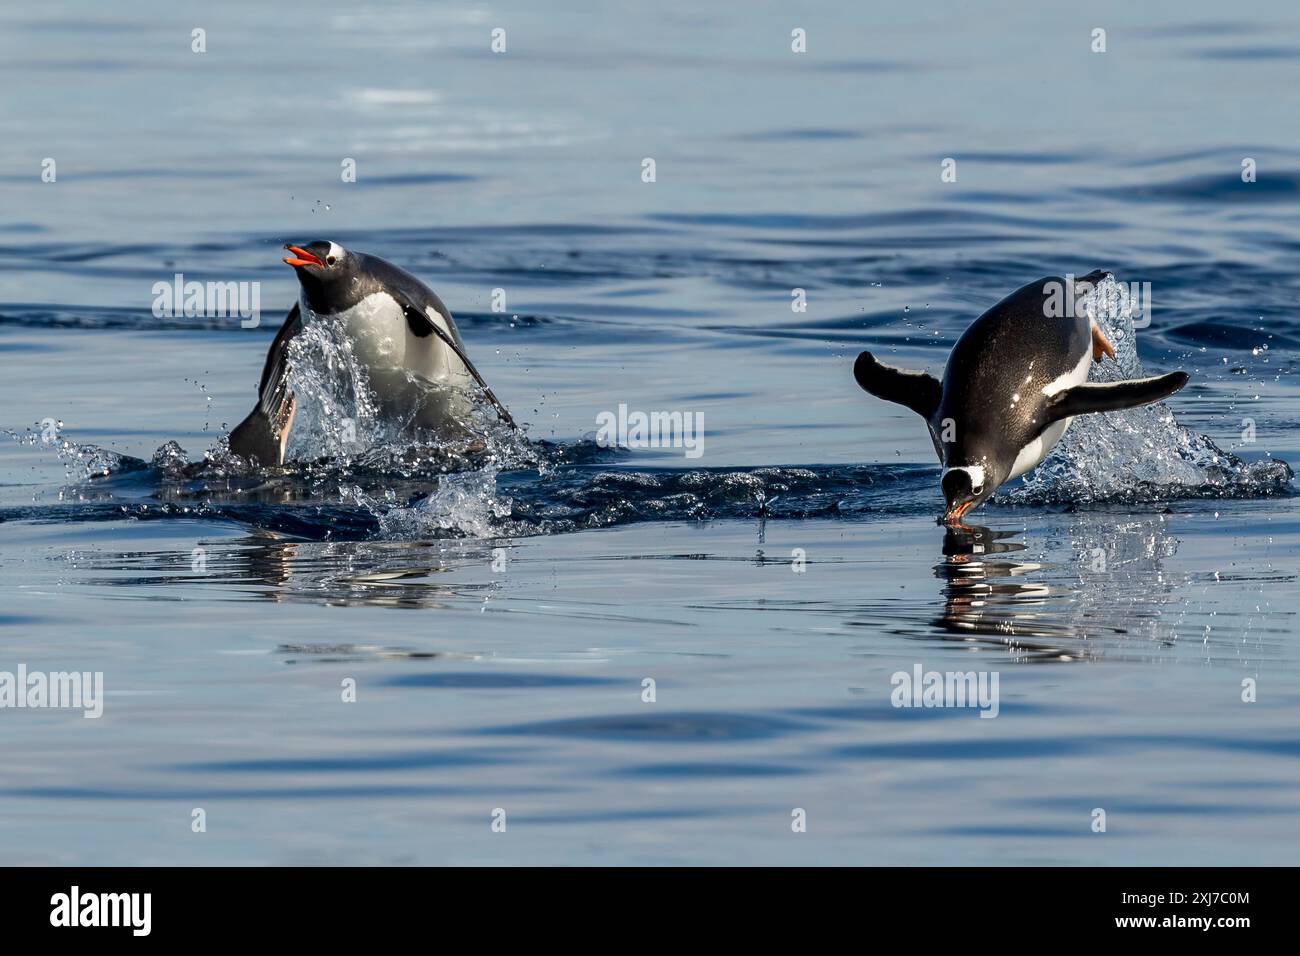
pixel 499 624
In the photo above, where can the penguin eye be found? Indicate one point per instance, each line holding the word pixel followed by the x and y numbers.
pixel 978 489
pixel 329 260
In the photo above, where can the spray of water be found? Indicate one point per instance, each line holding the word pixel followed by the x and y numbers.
pixel 337 414
pixel 341 431
pixel 345 451
pixel 465 504
pixel 1138 454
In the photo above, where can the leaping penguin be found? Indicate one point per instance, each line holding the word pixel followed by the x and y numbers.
pixel 400 332
pixel 1014 381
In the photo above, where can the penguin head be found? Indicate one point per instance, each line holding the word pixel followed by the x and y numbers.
pixel 321 266
pixel 964 487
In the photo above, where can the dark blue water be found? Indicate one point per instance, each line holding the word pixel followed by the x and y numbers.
pixel 500 616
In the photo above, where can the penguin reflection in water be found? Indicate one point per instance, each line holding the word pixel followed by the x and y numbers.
pixel 399 331
pixel 1014 381
pixel 992 596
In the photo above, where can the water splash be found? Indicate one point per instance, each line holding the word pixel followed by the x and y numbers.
pixel 361 476
pixel 171 460
pixel 81 462
pixel 337 414
pixel 465 504
pixel 341 423
pixel 1138 454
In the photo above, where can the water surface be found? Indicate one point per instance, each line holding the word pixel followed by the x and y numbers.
pixel 499 625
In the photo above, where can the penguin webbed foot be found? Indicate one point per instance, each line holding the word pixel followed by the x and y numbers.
pixel 1100 344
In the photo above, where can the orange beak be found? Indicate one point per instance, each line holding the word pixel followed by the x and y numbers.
pixel 301 257
pixel 954 516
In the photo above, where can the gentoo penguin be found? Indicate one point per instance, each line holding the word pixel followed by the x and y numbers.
pixel 1013 382
pixel 400 332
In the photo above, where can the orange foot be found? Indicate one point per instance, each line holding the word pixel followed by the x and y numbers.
pixel 1100 344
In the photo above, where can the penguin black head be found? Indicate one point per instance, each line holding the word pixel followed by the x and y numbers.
pixel 325 270
pixel 964 487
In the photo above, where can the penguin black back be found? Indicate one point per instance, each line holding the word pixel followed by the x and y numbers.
pixel 994 380
pixel 1015 379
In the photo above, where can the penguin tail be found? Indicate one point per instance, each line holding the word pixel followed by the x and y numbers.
pixel 1093 277
pixel 1111 396
pixel 919 391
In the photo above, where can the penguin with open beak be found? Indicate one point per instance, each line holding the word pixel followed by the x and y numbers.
pixel 399 331
pixel 1013 383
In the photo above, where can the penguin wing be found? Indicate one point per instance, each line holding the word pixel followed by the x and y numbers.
pixel 421 325
pixel 919 391
pixel 262 435
pixel 1109 396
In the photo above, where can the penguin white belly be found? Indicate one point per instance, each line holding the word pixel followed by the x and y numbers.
pixel 415 379
pixel 431 358
pixel 1032 454
pixel 377 330
pixel 441 399
pixel 1037 450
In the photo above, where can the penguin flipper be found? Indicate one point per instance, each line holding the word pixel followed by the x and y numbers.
pixel 919 391
pixel 421 325
pixel 261 437
pixel 1110 396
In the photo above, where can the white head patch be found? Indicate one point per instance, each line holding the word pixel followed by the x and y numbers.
pixel 974 472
